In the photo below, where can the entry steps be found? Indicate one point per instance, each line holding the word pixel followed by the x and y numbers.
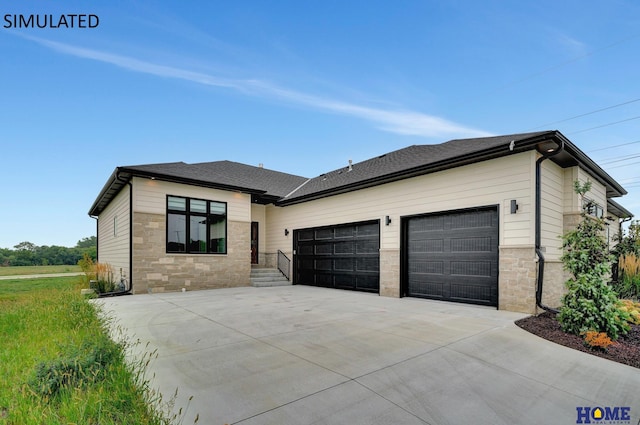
pixel 262 277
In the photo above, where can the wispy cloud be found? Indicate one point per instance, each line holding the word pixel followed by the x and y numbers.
pixel 576 47
pixel 395 121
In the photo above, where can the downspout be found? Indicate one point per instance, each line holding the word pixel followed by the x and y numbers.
pixel 128 182
pixel 541 258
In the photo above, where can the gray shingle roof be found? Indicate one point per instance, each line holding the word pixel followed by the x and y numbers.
pixel 226 173
pixel 402 162
pixel 268 186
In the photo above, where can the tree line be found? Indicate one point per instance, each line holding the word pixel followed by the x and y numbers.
pixel 29 254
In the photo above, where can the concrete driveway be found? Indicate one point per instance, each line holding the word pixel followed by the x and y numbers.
pixel 304 355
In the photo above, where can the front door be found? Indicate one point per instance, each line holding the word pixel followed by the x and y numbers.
pixel 254 242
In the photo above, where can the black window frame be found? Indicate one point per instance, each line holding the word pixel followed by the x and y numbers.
pixel 593 208
pixel 210 218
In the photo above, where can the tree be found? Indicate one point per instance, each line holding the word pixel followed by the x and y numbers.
pixel 29 254
pixel 590 304
pixel 89 242
pixel 25 246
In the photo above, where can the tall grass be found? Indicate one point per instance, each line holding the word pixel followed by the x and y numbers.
pixel 59 366
pixel 629 268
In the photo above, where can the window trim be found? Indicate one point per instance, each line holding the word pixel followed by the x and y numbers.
pixel 593 209
pixel 187 217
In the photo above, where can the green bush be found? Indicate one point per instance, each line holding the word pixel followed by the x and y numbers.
pixel 590 304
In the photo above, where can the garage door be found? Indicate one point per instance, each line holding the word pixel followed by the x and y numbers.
pixel 343 256
pixel 453 256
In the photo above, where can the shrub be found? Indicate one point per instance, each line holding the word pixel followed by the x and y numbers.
pixel 104 278
pixel 597 340
pixel 98 276
pixel 633 309
pixel 590 304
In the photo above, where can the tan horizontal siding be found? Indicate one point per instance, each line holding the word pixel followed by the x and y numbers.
pixel 150 197
pixel 598 192
pixel 493 182
pixel 114 249
pixel 552 211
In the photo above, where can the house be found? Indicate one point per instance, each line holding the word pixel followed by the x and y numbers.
pixel 471 220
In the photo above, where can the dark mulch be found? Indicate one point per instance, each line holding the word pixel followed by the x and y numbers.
pixel 626 350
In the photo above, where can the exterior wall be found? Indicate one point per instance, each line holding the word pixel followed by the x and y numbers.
pixel 613 230
pixel 494 182
pixel 113 235
pixel 154 270
pixel 554 288
pixel 571 201
pixel 390 272
pixel 517 279
pixel 598 192
pixel 552 209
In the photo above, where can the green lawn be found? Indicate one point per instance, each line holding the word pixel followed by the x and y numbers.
pixel 27 270
pixel 57 364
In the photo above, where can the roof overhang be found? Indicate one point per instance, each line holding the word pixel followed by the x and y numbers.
pixel 618 210
pixel 121 176
pixel 544 143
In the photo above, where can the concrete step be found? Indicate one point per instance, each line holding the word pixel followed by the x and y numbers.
pixel 263 277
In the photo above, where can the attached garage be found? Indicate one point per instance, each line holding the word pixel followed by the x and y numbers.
pixel 452 256
pixel 344 256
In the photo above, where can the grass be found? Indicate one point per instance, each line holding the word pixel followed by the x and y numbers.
pixel 59 366
pixel 27 270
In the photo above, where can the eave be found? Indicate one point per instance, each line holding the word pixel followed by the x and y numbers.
pixel 123 175
pixel 571 156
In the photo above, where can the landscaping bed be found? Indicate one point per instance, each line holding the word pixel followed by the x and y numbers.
pixel 626 350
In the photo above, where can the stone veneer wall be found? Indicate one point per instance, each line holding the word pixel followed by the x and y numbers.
pixel 390 272
pixel 156 271
pixel 517 279
pixel 554 288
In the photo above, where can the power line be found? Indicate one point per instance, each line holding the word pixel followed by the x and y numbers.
pixel 619 159
pixel 630 180
pixel 606 125
pixel 624 165
pixel 615 146
pixel 586 113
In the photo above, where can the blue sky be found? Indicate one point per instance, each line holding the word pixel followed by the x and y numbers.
pixel 301 87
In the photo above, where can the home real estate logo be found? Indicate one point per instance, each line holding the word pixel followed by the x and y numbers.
pixel 607 415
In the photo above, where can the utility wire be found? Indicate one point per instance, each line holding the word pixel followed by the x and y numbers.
pixel 615 146
pixel 605 125
pixel 624 165
pixel 585 114
pixel 619 159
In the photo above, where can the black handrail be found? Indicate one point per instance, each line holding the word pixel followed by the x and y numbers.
pixel 283 264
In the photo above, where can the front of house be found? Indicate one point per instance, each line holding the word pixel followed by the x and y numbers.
pixel 475 221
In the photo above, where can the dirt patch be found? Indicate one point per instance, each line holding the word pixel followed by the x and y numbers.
pixel 626 350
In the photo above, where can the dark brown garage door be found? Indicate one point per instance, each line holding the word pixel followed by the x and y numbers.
pixel 343 256
pixel 452 256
